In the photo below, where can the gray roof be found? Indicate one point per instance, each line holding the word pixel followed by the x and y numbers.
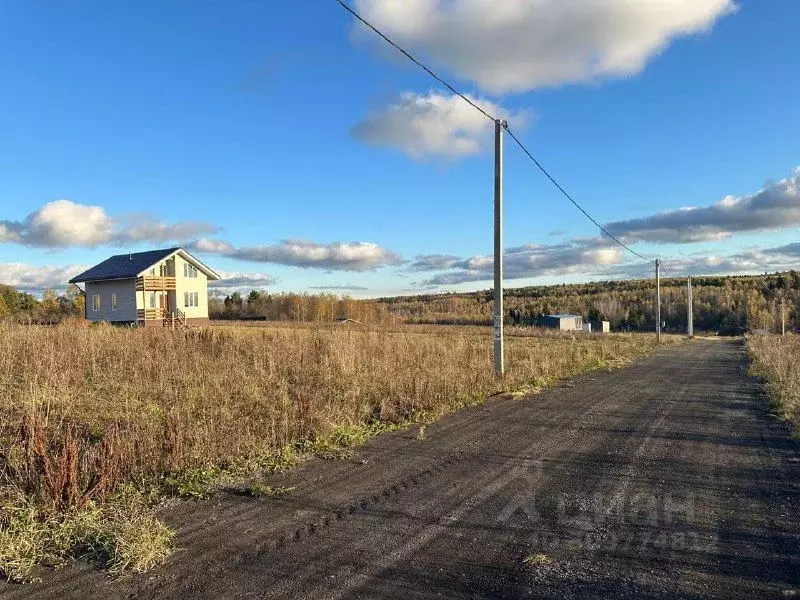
pixel 123 265
pixel 564 316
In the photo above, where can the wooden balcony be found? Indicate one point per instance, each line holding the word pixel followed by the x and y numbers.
pixel 155 283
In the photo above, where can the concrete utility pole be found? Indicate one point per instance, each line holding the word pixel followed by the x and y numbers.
pixel 499 365
pixel 689 308
pixel 783 316
pixel 658 302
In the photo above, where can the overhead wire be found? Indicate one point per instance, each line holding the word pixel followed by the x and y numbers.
pixel 474 105
pixel 409 56
pixel 571 199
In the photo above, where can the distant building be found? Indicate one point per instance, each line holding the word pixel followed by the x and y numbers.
pixel 148 288
pixel 600 326
pixel 563 322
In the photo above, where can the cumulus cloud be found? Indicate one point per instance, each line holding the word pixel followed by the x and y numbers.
pixel 434 125
pixel 433 262
pixel 775 206
pixel 63 223
pixel 596 259
pixel 36 279
pixel 527 44
pixel 59 224
pixel 336 256
pixel 147 228
pixel 746 262
pixel 235 281
pixel 532 260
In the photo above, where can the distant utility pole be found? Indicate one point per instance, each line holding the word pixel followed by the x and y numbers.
pixel 783 316
pixel 689 308
pixel 658 301
pixel 499 366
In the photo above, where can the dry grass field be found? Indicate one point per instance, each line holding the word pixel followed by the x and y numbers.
pixel 99 423
pixel 776 359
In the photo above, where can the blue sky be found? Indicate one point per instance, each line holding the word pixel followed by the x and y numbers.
pixel 289 148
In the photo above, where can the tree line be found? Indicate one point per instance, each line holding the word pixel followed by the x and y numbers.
pixel 721 304
pixel 319 308
pixel 51 308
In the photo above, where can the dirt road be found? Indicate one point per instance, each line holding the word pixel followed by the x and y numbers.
pixel 668 479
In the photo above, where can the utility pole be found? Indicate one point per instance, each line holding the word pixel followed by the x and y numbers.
pixel 783 316
pixel 658 302
pixel 499 365
pixel 689 308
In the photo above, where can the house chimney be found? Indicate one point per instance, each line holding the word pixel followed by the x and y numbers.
pixel 130 256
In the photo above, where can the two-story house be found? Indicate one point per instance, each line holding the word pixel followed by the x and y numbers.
pixel 157 287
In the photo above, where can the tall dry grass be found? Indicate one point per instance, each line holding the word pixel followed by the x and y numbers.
pixel 777 360
pixel 85 409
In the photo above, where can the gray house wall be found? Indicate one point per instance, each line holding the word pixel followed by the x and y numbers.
pixel 125 289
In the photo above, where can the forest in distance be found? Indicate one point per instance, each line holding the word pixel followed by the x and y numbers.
pixel 722 304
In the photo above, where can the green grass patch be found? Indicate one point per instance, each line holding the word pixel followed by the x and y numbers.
pixel 537 560
pixel 119 536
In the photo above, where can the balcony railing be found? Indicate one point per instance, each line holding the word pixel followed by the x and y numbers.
pixel 150 314
pixel 155 283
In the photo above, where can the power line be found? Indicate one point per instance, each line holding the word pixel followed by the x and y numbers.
pixel 488 116
pixel 570 198
pixel 415 61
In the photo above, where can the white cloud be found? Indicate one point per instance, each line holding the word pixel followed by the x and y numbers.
pixel 746 262
pixel 532 260
pixel 336 256
pixel 776 206
pixel 433 262
pixel 598 260
pixel 235 281
pixel 147 228
pixel 211 246
pixel 520 45
pixel 63 223
pixel 434 125
pixel 36 279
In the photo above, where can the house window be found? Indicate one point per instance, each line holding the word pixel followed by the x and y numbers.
pixel 96 302
pixel 185 269
pixel 152 299
pixel 186 298
pixel 113 302
pixel 153 271
pixel 195 299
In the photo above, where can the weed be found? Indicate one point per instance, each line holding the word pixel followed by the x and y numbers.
pixel 537 560
pixel 421 433
pixel 776 359
pixel 197 484
pixel 119 537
